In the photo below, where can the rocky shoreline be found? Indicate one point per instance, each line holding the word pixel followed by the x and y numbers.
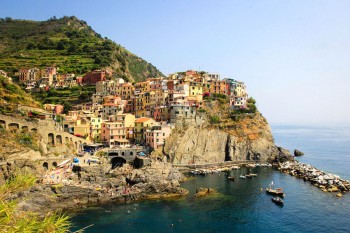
pixel 98 184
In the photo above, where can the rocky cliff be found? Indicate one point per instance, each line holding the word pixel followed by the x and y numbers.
pixel 246 137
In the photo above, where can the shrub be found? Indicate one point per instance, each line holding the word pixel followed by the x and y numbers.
pixel 14 220
pixel 214 119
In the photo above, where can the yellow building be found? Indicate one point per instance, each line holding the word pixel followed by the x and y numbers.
pixel 82 130
pixel 128 121
pixel 143 86
pixel 196 88
pixel 125 91
pixel 95 124
pixel 141 125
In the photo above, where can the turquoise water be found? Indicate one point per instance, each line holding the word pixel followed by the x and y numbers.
pixel 241 206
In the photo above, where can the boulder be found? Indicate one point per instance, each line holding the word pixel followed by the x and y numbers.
pixel 298 153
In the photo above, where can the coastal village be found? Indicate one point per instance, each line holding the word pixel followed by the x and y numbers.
pixel 121 113
pixel 95 138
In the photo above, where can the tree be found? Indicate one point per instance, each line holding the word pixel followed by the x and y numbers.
pixel 73 48
pixel 31 45
pixel 61 45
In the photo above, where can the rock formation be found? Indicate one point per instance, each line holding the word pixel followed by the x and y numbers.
pixel 248 138
pixel 298 152
pixel 98 184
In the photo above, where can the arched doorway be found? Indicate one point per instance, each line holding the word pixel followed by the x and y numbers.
pixel 46 165
pixel 13 127
pixel 54 164
pixel 2 124
pixel 117 162
pixel 24 129
pixel 59 139
pixel 51 139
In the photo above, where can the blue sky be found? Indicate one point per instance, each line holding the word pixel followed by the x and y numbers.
pixel 293 55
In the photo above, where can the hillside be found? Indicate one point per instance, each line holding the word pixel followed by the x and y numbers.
pixel 68 43
pixel 11 95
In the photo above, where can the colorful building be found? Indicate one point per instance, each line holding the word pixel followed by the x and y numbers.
pixel 156 136
pixel 111 132
pixel 141 125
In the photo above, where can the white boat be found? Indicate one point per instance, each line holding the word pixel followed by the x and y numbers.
pixel 242 176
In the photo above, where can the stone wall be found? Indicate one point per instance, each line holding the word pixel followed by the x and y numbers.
pixel 45 128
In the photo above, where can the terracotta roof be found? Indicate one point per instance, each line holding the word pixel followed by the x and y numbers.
pixel 142 119
pixel 108 104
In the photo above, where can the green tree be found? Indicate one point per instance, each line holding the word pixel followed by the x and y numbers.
pixel 61 45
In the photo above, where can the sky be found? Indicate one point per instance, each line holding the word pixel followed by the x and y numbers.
pixel 293 55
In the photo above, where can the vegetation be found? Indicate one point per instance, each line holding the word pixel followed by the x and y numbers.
pixel 68 43
pixel 214 119
pixel 12 94
pixel 251 108
pixel 28 140
pixel 65 96
pixel 223 99
pixel 14 220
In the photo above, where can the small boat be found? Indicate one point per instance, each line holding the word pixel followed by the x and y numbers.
pixel 251 175
pixel 276 191
pixel 242 176
pixel 232 178
pixel 277 200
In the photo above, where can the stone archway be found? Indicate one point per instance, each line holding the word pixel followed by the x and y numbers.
pixel 34 130
pixel 51 139
pixel 25 129
pixel 54 164
pixel 58 139
pixel 117 162
pixel 13 127
pixel 46 165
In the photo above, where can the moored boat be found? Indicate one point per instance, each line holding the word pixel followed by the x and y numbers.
pixel 242 176
pixel 278 201
pixel 276 191
pixel 250 175
pixel 231 178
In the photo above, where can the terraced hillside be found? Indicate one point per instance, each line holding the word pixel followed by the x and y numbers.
pixel 68 43
pixel 11 95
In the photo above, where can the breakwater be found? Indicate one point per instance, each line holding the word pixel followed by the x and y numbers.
pixel 325 181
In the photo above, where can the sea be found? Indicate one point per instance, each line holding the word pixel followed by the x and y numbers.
pixel 243 205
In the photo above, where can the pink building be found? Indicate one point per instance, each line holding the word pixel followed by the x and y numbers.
pixel 157 135
pixel 111 132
